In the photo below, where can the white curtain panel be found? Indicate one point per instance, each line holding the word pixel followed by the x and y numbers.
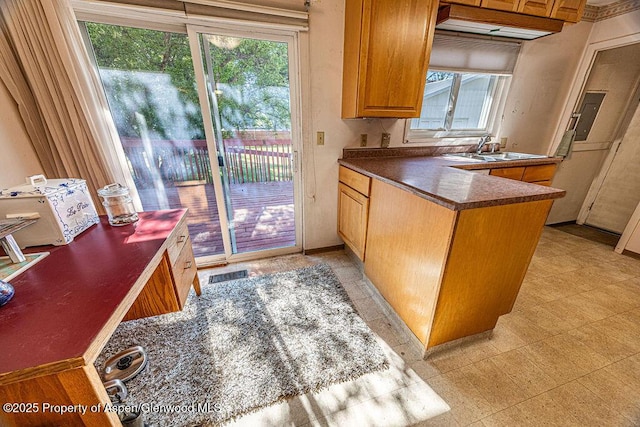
pixel 45 66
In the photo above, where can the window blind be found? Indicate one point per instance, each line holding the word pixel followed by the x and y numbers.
pixel 292 13
pixel 461 52
pixel 273 12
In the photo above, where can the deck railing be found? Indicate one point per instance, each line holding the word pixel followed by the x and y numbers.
pixel 245 160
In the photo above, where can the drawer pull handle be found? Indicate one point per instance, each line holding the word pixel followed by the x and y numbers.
pixel 182 239
pixel 187 265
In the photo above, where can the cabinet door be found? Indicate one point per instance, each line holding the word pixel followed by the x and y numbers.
pixel 508 5
pixel 387 49
pixel 539 173
pixel 568 10
pixel 536 7
pixel 509 173
pixel 353 213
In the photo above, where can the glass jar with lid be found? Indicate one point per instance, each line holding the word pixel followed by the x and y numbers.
pixel 118 204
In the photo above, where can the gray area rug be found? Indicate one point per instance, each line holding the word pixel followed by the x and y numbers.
pixel 247 344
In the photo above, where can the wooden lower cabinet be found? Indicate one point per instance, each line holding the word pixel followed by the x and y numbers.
pixel 509 173
pixel 536 174
pixel 539 173
pixel 353 213
pixel 448 274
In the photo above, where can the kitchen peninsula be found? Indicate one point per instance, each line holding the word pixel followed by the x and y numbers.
pixel 447 248
pixel 67 306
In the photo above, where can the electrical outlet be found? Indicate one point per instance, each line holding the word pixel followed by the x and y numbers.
pixel 363 140
pixel 386 139
pixel 320 138
pixel 503 142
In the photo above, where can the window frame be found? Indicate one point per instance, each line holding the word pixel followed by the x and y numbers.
pixel 450 136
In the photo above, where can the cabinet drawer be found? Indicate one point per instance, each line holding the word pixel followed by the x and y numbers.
pixel 510 173
pixel 178 240
pixel 355 180
pixel 353 215
pixel 184 271
pixel 539 173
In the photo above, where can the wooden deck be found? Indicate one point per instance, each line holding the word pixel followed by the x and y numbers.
pixel 263 214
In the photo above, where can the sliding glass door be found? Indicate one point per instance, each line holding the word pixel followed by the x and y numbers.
pixel 248 100
pixel 205 122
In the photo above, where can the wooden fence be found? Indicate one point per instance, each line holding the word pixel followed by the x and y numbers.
pixel 256 160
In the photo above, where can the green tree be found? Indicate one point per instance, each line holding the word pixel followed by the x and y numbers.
pixel 248 76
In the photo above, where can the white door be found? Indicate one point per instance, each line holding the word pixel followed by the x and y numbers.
pixel 619 193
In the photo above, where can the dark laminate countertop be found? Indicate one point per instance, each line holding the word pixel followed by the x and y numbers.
pixel 447 183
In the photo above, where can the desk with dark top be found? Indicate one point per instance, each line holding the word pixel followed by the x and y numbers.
pixel 67 306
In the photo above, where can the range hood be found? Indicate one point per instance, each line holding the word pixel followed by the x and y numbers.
pixel 470 19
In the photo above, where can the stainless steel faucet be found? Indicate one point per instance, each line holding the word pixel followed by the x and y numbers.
pixel 483 140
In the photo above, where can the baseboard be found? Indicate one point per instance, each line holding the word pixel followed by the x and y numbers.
pixel 460 342
pixel 316 251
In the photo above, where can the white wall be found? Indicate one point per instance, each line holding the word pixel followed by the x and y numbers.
pixel 320 166
pixel 541 81
pixel 18 160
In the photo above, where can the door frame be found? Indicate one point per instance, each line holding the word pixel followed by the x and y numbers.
pixel 177 22
pixel 572 99
pixel 247 31
pixel 598 181
pixel 579 82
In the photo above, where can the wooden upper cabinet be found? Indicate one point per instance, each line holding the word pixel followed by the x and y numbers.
pixel 536 7
pixel 508 5
pixel 565 10
pixel 386 54
pixel 568 10
pixel 467 2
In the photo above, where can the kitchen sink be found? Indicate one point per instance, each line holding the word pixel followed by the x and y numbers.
pixel 468 157
pixel 493 157
pixel 510 155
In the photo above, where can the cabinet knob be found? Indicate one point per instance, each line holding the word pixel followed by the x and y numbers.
pixel 187 265
pixel 182 239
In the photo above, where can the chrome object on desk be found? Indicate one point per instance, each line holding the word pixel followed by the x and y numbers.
pixel 8 242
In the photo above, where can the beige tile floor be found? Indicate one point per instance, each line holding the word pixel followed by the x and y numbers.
pixel 567 355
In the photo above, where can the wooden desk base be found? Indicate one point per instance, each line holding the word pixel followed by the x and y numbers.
pixel 42 400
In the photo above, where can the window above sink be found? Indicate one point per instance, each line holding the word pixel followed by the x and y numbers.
pixel 466 89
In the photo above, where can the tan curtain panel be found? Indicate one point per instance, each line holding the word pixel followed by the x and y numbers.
pixel 46 68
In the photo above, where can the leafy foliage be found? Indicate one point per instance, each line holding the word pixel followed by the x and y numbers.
pixel 251 79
